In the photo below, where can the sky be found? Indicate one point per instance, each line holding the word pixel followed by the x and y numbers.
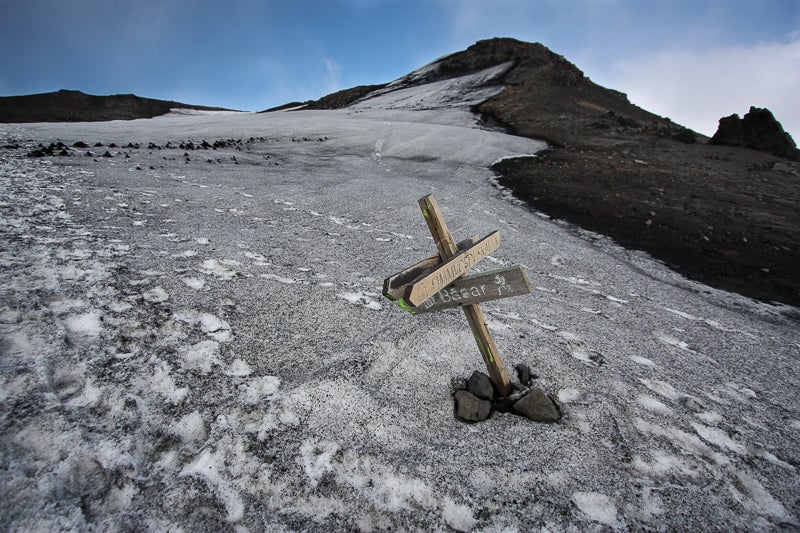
pixel 693 61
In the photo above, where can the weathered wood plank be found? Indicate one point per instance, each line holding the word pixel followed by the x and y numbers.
pixel 443 275
pixel 477 288
pixel 436 225
pixel 394 285
pixel 491 355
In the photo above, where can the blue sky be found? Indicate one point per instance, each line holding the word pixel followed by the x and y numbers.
pixel 690 60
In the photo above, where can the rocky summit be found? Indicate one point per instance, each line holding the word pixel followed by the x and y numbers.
pixel 722 214
pixel 758 130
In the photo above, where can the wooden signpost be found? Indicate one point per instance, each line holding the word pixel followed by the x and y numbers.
pixel 441 282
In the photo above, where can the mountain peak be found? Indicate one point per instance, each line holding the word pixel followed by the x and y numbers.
pixel 490 52
pixel 498 62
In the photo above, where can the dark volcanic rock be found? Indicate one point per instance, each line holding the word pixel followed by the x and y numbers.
pixel 717 214
pixel 758 130
pixel 730 132
pixel 538 407
pixel 288 105
pixel 547 97
pixel 480 385
pixel 470 408
pixel 505 404
pixel 342 98
pixel 524 374
pixel 75 106
pixel 685 136
pixel 549 67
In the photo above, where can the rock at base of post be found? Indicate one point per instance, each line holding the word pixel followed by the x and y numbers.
pixel 480 385
pixel 524 374
pixel 476 399
pixel 470 408
pixel 537 406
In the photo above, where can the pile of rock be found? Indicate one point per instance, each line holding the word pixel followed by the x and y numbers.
pixel 58 148
pixel 758 130
pixel 476 399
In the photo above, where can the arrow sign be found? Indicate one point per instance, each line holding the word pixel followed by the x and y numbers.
pixel 477 288
pixel 395 285
pixel 426 286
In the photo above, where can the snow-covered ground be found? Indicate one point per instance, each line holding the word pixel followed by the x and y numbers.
pixel 195 340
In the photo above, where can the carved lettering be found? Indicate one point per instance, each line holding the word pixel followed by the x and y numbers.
pixel 443 296
pixel 425 287
pixel 477 288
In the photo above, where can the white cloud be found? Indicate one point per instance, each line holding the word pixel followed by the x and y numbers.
pixel 697 87
pixel 333 77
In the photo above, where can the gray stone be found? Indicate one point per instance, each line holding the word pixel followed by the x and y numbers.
pixel 480 385
pixel 470 408
pixel 537 406
pixel 524 374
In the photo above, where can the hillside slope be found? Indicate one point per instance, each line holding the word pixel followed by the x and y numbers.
pixel 727 216
pixel 75 106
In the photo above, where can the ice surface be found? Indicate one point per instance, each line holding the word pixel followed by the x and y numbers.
pixel 597 507
pixel 471 89
pixel 194 340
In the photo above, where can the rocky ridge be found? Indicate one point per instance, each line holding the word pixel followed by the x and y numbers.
pixel 758 130
pixel 75 106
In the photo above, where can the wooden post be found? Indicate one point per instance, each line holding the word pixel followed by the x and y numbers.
pixel 447 248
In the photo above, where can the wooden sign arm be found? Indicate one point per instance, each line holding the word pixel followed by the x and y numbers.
pixel 449 270
pixel 394 285
pixel 474 289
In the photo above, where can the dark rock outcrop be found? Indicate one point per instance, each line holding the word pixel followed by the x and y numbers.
pixel 342 98
pixel 524 374
pixel 549 67
pixel 75 106
pixel 758 130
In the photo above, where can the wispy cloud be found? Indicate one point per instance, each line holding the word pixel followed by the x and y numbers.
pixel 697 87
pixel 334 76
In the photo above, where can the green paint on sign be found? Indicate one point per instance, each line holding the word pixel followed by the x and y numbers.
pixel 404 306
